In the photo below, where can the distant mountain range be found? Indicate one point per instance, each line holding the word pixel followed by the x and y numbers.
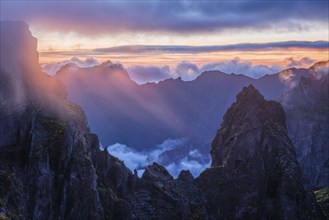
pixel 141 116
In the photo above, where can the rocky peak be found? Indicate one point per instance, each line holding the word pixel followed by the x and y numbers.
pixel 248 94
pixel 156 173
pixel 249 117
pixel 320 68
pixel 254 165
pixel 185 175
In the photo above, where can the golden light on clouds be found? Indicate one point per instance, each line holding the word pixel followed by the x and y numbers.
pixel 57 46
pixel 277 57
pixel 60 41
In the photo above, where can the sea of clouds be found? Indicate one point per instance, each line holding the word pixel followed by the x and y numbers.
pixel 185 69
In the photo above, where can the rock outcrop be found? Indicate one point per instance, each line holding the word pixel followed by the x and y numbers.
pixel 254 171
pixel 159 196
pixel 322 197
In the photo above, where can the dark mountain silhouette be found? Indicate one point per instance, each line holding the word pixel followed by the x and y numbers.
pixel 254 171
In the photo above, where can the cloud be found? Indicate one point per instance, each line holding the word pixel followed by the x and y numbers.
pixel 140 159
pixel 193 161
pixel 189 71
pixel 186 70
pixel 194 166
pixel 239 66
pixel 303 62
pixel 133 159
pixel 179 49
pixel 98 17
pixel 143 74
pixel 52 68
pixel 288 77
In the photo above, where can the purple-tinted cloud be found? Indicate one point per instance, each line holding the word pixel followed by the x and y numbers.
pixel 136 49
pixel 188 70
pixel 52 68
pixel 305 61
pixel 142 74
pixel 97 17
pixel 131 50
pixel 238 66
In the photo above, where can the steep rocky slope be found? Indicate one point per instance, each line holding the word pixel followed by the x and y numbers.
pixel 254 171
pixel 307 110
pixel 47 152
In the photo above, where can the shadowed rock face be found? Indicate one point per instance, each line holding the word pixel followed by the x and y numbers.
pixel 245 127
pixel 185 175
pixel 156 173
pixel 254 170
pixel 158 196
pixel 47 153
pixel 307 110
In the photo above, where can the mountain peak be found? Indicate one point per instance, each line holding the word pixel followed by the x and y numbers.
pixel 320 68
pixel 156 173
pixel 251 114
pixel 249 93
pixel 185 175
pixel 253 157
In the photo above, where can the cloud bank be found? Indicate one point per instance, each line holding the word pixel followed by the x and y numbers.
pixel 188 70
pixel 305 61
pixel 138 160
pixel 143 74
pixel 158 49
pixel 97 17
pixel 52 68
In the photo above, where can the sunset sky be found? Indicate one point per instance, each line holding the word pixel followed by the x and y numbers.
pixel 166 33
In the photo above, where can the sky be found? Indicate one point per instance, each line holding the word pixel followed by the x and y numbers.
pixel 144 34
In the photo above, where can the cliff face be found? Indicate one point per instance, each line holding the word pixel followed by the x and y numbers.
pixel 50 164
pixel 254 170
pixel 307 110
pixel 47 153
